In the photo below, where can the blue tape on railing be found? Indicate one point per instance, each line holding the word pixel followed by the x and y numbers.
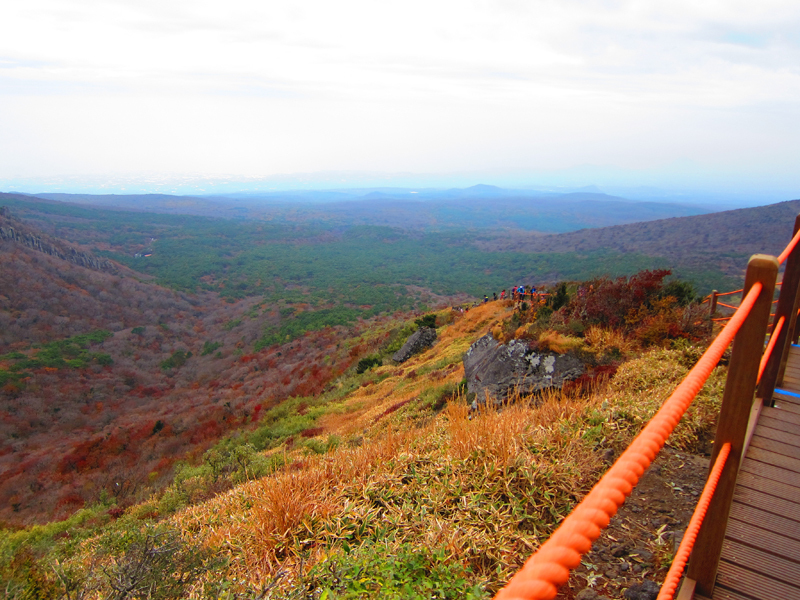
pixel 787 393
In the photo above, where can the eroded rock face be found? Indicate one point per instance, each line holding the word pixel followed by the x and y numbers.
pixel 421 339
pixel 14 231
pixel 497 370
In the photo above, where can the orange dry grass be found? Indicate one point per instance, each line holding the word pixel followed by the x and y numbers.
pixel 557 342
pixel 408 481
pixel 261 525
pixel 605 339
pixel 475 323
pixel 499 433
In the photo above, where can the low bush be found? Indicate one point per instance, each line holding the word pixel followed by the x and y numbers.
pixel 378 571
pixel 367 363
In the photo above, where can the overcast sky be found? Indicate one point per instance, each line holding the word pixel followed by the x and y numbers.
pixel 500 91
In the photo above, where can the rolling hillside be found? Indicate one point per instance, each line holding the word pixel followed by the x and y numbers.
pixel 383 486
pixel 721 239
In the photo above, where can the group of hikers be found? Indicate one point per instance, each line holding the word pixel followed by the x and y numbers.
pixel 518 293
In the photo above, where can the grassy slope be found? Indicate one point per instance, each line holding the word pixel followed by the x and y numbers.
pixel 416 500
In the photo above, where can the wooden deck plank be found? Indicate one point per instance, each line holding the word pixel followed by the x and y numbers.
pixel 784 401
pixel 790 382
pixel 782 404
pixel 791 372
pixel 782 415
pixel 750 534
pixel 776 423
pixel 787 397
pixel 772 458
pixel 777 435
pixel 721 593
pixel 793 362
pixel 770 472
pixel 755 585
pixel 790 376
pixel 768 503
pixel 770 522
pixel 755 481
pixel 770 565
pixel 773 445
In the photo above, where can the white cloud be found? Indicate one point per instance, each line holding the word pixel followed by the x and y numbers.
pixel 258 88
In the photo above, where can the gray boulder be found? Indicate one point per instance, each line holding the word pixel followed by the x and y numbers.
pixel 498 370
pixel 647 590
pixel 422 338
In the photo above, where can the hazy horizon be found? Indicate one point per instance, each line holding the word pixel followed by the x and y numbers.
pixel 360 184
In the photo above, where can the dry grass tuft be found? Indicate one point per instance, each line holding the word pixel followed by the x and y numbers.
pixel 603 340
pixel 491 433
pixel 558 342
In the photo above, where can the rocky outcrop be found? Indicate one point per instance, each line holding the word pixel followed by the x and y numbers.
pixel 494 370
pixel 422 338
pixel 12 230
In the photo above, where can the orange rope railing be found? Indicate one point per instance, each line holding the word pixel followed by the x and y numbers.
pixel 729 293
pixel 788 250
pixel 673 577
pixel 549 567
pixel 770 346
pixel 727 305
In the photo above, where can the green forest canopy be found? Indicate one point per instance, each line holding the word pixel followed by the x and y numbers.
pixel 342 274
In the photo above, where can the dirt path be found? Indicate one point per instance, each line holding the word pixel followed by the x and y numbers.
pixel 641 540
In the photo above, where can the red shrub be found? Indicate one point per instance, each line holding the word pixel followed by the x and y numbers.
pixel 70 498
pixel 612 302
pixel 311 432
pixel 393 408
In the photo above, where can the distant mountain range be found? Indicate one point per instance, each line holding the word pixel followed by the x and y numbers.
pixel 476 207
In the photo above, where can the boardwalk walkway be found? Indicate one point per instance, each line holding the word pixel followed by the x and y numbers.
pixel 761 553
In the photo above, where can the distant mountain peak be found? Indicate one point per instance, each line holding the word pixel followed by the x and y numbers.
pixel 482 187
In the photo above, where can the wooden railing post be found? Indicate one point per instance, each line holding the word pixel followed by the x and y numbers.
pixel 737 401
pixel 712 310
pixel 787 308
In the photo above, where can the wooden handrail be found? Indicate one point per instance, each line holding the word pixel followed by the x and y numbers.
pixel 786 309
pixel 737 401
